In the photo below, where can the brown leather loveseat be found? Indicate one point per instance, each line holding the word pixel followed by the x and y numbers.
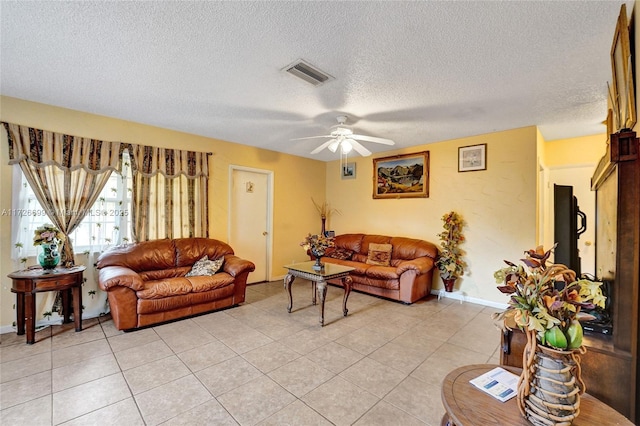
pixel 146 283
pixel 408 276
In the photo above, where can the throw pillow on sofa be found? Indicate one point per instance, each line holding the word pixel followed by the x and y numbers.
pixel 341 253
pixel 379 254
pixel 204 266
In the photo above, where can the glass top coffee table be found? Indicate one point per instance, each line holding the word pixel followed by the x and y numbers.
pixel 319 280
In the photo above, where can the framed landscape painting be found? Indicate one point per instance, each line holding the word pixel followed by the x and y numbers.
pixel 401 176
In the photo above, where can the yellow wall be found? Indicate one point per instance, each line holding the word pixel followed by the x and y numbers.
pixel 581 150
pixel 295 179
pixel 498 205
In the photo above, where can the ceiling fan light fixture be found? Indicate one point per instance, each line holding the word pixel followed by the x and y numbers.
pixel 346 147
pixel 334 146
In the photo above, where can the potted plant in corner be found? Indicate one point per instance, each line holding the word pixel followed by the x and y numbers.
pixel 449 262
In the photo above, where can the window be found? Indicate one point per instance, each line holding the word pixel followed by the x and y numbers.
pixel 106 223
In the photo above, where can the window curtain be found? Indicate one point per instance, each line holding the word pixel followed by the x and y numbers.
pixel 67 173
pixel 170 193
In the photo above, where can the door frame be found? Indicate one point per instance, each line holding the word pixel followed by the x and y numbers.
pixel 269 239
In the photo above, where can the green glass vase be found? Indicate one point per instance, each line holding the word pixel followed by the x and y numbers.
pixel 49 256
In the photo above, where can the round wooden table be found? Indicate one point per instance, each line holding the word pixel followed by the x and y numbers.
pixel 467 405
pixel 28 282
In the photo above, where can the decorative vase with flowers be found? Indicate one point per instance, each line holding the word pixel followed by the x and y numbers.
pixel 50 239
pixel 317 245
pixel 545 303
pixel 449 261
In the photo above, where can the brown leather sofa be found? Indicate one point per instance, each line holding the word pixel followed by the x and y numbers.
pixel 407 278
pixel 146 283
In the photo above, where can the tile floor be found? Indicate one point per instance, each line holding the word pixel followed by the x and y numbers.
pixel 254 364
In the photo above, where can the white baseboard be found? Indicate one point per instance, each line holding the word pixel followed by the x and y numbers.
pixel 462 297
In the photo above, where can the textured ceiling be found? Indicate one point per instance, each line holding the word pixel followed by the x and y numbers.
pixel 415 72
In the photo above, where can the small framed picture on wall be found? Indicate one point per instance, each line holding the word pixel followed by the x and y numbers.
pixel 472 158
pixel 348 171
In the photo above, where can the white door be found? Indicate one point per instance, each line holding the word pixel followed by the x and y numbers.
pixel 250 219
pixel 580 178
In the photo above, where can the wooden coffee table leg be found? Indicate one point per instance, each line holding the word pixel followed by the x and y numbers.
pixel 314 289
pixel 346 283
pixel 288 280
pixel 322 293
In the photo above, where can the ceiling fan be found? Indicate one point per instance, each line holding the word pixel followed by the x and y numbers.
pixel 342 137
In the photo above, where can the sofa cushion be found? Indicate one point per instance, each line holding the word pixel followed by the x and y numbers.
pixel 368 239
pixel 411 248
pixel 341 253
pixel 165 288
pixel 189 250
pixel 204 266
pixel 164 273
pixel 204 283
pixel 383 272
pixel 170 287
pixel 351 242
pixel 143 256
pixel 379 254
pixel 360 268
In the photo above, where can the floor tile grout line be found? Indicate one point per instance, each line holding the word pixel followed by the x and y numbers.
pixel 270 308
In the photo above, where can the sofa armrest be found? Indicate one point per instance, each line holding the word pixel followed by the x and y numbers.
pixel 421 265
pixel 235 266
pixel 112 276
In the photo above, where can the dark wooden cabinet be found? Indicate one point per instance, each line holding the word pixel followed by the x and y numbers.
pixel 610 368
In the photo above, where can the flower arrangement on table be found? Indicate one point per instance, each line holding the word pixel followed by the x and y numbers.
pixel 449 261
pixel 47 234
pixel 317 244
pixel 546 299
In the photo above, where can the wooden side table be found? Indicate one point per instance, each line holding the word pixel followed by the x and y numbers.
pixel 31 281
pixel 467 405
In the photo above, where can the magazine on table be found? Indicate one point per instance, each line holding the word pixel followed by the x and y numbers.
pixel 499 383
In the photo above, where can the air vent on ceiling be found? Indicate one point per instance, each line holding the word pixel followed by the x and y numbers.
pixel 307 72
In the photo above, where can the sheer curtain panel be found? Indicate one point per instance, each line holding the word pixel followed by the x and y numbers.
pixel 170 195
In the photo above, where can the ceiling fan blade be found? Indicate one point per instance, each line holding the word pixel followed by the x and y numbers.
pixel 359 148
pixel 323 146
pixel 372 139
pixel 312 137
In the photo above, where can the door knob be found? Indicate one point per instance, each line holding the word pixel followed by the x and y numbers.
pixel 265 233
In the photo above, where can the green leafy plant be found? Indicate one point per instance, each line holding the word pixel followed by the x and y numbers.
pixel 450 262
pixel 546 299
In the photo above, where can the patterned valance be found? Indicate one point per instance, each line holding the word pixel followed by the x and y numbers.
pixel 171 163
pixel 41 148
